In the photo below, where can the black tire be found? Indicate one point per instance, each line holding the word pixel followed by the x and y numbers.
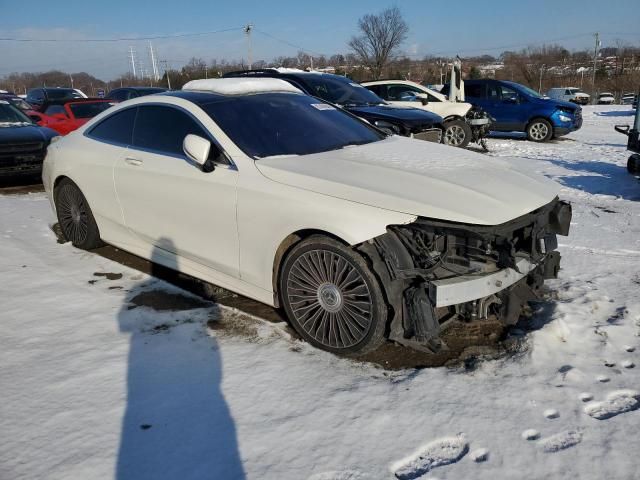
pixel 457 133
pixel 332 298
pixel 539 130
pixel 633 164
pixel 75 217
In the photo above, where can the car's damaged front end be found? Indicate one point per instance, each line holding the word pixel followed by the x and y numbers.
pixel 435 271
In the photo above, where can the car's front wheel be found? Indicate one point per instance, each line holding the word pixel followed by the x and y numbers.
pixel 332 298
pixel 457 133
pixel 539 130
pixel 75 217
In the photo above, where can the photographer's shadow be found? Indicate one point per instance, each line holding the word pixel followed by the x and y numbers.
pixel 177 424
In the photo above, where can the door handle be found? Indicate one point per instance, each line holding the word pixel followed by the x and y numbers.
pixel 133 161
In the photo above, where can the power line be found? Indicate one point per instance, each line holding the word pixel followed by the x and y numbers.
pixel 306 50
pixel 520 45
pixel 119 39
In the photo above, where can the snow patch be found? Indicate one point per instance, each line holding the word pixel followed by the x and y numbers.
pixel 240 86
pixel 531 434
pixel 338 475
pixel 617 402
pixel 560 441
pixel 435 454
pixel 479 455
pixel 551 413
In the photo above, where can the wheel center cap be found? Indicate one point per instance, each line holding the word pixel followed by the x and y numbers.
pixel 330 297
pixel 75 214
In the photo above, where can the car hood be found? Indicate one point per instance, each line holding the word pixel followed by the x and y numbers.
pixel 25 134
pixel 417 178
pixel 391 113
pixel 559 104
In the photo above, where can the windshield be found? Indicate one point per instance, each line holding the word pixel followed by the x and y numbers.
pixel 19 103
pixel 341 90
pixel 88 110
pixel 11 115
pixel 62 93
pixel 528 91
pixel 270 124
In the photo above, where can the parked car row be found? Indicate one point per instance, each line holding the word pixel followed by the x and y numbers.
pixel 310 204
pixel 516 108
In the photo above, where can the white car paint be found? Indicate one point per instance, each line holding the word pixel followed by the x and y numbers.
pixel 606 98
pixel 417 178
pixel 569 94
pixel 436 102
pixel 226 226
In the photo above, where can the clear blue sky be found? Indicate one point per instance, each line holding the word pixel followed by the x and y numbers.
pixel 471 27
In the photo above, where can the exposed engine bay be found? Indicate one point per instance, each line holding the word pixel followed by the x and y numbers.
pixel 435 271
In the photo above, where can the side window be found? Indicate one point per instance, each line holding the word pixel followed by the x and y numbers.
pixel 508 94
pixel 567 92
pixel 118 95
pixel 380 90
pixel 36 95
pixel 431 98
pixel 494 93
pixel 474 91
pixel 53 109
pixel 403 93
pixel 116 128
pixel 163 129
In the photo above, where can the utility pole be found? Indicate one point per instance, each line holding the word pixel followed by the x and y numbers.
pixel 166 72
pixel 247 31
pixel 206 71
pixel 541 71
pixel 132 58
pixel 154 65
pixel 595 65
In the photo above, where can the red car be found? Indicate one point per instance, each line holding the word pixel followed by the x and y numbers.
pixel 67 116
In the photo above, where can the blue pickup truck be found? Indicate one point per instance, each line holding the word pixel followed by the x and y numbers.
pixel 517 108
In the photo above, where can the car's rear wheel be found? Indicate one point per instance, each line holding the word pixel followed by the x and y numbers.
pixel 457 133
pixel 75 217
pixel 539 130
pixel 332 298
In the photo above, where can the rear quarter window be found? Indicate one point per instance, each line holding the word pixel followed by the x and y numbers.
pixel 116 128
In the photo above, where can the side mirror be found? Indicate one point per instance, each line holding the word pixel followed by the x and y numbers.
pixel 423 98
pixel 197 149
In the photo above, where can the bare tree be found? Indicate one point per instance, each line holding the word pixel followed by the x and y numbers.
pixel 380 37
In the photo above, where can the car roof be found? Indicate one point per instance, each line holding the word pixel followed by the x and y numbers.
pixel 141 89
pixel 241 85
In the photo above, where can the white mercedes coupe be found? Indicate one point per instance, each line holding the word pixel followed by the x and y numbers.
pixel 250 184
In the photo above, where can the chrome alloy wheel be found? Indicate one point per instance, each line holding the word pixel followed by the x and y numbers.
pixel 73 215
pixel 539 131
pixel 454 135
pixel 329 299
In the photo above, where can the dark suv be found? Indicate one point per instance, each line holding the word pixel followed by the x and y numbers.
pixel 23 144
pixel 517 108
pixel 354 98
pixel 126 93
pixel 39 98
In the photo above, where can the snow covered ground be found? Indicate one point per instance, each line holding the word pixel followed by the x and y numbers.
pixel 95 386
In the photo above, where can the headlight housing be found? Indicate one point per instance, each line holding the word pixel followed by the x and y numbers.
pixel 564 118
